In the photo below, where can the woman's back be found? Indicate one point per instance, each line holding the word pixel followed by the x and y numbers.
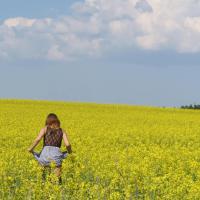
pixel 53 137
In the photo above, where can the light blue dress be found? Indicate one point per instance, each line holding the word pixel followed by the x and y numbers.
pixel 50 154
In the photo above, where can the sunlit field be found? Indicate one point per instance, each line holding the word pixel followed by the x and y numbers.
pixel 120 152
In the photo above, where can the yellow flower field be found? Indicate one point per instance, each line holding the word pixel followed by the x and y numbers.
pixel 120 152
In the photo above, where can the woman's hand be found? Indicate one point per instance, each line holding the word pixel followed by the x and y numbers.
pixel 69 149
pixel 30 150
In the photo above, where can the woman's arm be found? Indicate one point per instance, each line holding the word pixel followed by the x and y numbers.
pixel 37 140
pixel 66 141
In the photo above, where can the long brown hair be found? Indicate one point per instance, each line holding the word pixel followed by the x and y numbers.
pixel 52 121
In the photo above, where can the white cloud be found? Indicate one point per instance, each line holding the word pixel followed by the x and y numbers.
pixel 55 54
pixel 19 21
pixel 98 27
pixel 153 42
pixel 192 23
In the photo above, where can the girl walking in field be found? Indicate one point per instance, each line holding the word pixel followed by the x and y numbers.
pixel 52 135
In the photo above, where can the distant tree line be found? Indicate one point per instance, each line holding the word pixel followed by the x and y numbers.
pixel 191 106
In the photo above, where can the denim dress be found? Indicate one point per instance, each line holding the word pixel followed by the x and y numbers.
pixel 50 154
pixel 51 148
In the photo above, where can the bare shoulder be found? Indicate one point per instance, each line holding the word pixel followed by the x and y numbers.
pixel 63 130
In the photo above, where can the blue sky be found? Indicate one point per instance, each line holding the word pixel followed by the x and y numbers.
pixel 32 9
pixel 138 52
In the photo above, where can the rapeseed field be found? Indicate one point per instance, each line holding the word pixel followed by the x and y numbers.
pixel 120 152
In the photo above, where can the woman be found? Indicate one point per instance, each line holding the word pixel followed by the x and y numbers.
pixel 52 135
